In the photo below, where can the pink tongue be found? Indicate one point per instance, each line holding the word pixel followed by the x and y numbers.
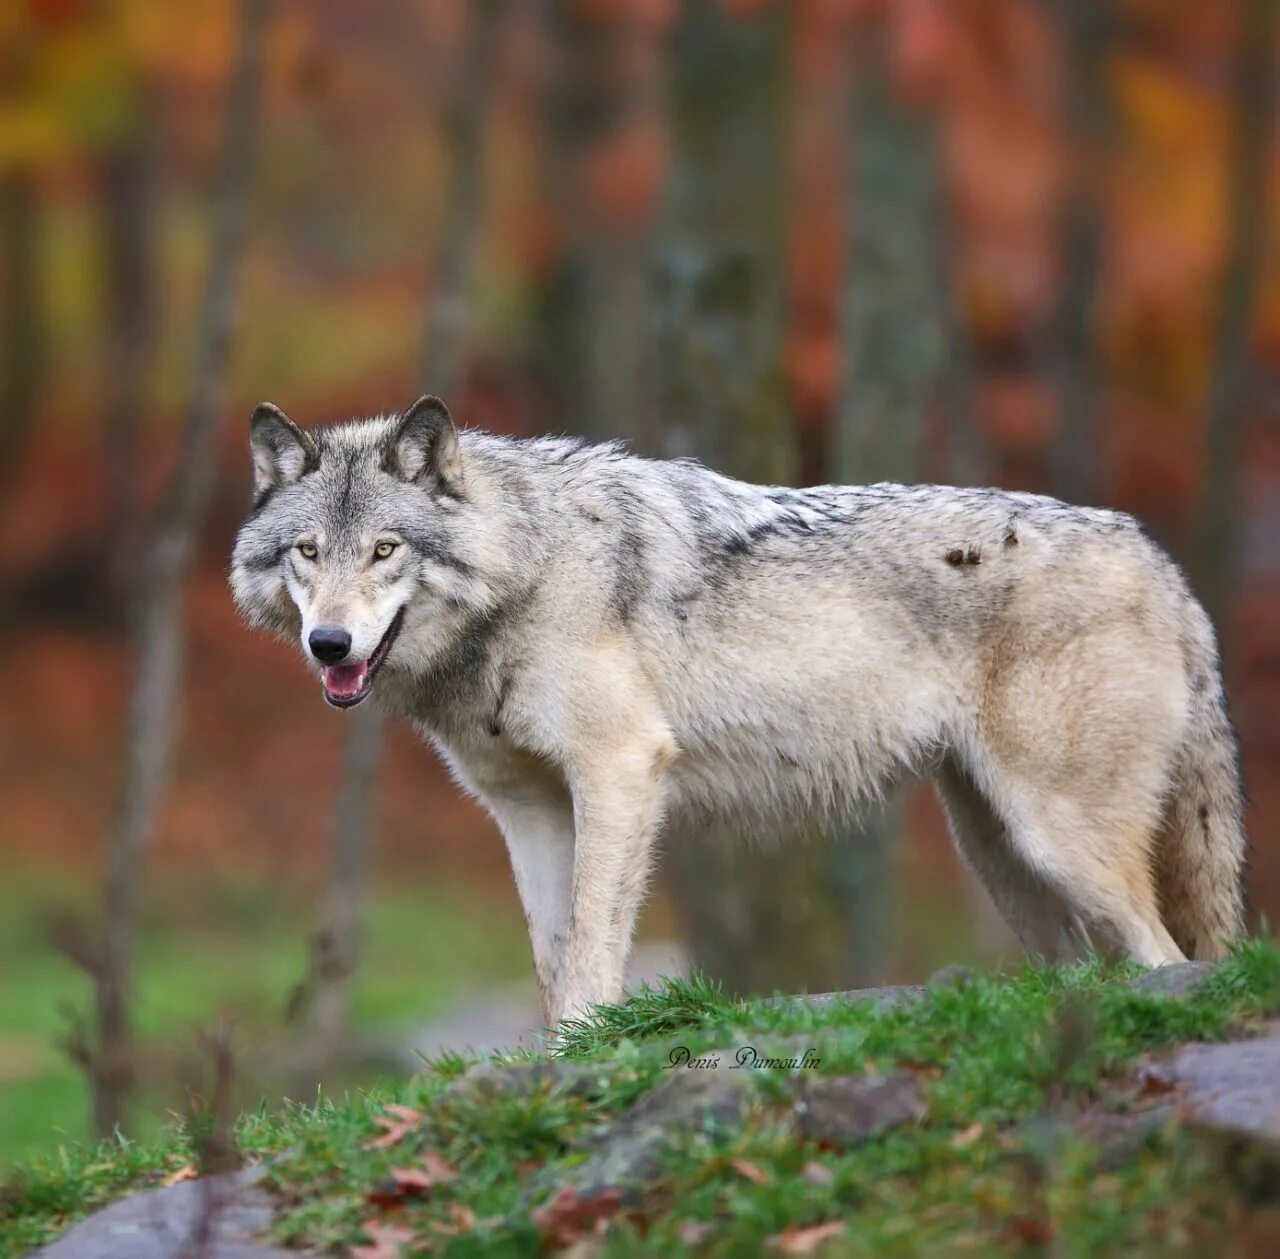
pixel 345 680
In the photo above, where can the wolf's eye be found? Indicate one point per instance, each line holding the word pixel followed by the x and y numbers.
pixel 384 550
pixel 307 550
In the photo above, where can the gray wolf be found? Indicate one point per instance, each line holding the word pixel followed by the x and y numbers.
pixel 602 646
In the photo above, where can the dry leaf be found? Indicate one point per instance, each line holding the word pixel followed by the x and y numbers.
pixel 749 1171
pixel 804 1241
pixel 967 1136
pixel 695 1232
pixel 567 1218
pixel 397 1124
pixel 385 1241
pixel 439 1171
pixel 186 1172
pixel 462 1219
pixel 1031 1230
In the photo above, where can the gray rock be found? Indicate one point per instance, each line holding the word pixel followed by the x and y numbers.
pixel 848 1111
pixel 953 976
pixel 890 997
pixel 1121 1137
pixel 214 1217
pixel 522 1079
pixel 1233 1086
pixel 627 1153
pixel 1178 979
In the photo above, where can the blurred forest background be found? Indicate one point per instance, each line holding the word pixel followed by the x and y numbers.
pixel 1030 243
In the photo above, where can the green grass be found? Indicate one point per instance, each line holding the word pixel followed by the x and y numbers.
pixel 990 1170
pixel 235 950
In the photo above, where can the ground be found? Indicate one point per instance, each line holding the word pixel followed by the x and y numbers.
pixel 1022 1113
pixel 210 947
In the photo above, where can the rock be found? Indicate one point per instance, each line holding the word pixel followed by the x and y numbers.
pixel 1178 979
pixel 890 997
pixel 848 1111
pixel 1233 1086
pixel 215 1217
pixel 627 1153
pixel 1121 1137
pixel 953 976
pixel 509 1017
pixel 522 1079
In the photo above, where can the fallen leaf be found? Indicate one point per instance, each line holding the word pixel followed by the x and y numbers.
pixel 439 1171
pixel 817 1173
pixel 749 1171
pixel 462 1219
pixel 1031 1230
pixel 567 1218
pixel 967 1136
pixel 1152 1084
pixel 804 1241
pixel 186 1172
pixel 397 1124
pixel 385 1241
pixel 695 1232
pixel 403 1182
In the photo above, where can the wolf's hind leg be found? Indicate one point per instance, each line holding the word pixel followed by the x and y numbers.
pixel 1097 859
pixel 1040 918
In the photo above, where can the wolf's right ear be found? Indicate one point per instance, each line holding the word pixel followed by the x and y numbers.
pixel 281 451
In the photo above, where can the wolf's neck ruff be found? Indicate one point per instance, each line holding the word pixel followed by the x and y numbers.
pixel 602 646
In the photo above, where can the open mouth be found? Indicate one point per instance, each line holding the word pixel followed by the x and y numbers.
pixel 346 685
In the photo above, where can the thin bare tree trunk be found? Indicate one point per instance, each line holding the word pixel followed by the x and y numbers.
pixel 21 295
pixel 768 917
pixel 129 228
pixel 895 358
pixel 158 632
pixel 335 946
pixel 461 93
pixel 1074 456
pixel 1229 391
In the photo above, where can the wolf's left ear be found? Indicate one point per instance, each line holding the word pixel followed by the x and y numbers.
pixel 281 451
pixel 425 446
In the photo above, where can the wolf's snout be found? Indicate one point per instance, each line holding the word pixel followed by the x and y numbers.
pixel 329 644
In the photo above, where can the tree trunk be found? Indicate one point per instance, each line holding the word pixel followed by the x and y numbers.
pixel 766 917
pixel 1229 391
pixel 22 299
pixel 459 85
pixel 1074 456
pixel 128 177
pixel 335 946
pixel 894 348
pixel 607 137
pixel 158 631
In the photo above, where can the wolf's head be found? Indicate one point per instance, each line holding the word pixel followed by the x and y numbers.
pixel 350 541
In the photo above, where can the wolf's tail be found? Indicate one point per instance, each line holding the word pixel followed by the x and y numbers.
pixel 1201 852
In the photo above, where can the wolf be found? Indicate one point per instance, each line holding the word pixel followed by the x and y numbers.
pixel 604 647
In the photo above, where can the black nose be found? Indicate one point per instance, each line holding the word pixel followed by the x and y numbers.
pixel 329 644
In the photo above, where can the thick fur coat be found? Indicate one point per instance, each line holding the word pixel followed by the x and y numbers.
pixel 602 646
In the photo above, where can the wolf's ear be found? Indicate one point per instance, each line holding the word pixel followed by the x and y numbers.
pixel 424 447
pixel 281 451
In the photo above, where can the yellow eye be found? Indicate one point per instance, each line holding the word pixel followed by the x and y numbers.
pixel 383 550
pixel 307 550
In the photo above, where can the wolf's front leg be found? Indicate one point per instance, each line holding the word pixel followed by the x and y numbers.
pixel 618 809
pixel 538 829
